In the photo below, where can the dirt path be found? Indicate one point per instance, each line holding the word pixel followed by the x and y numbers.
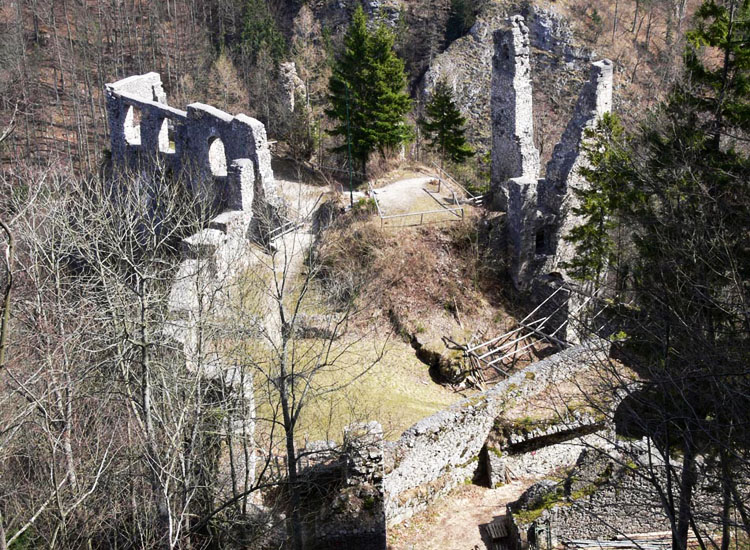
pixel 402 195
pixel 454 523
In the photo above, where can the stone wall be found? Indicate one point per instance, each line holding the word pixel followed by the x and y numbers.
pixel 541 462
pixel 556 194
pixel 609 493
pixel 513 152
pixel 350 514
pixel 607 499
pixel 223 159
pixel 562 63
pixel 441 451
pixel 540 452
pixel 539 210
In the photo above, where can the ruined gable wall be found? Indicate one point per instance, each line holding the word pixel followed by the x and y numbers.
pixel 557 197
pixel 217 154
pixel 539 212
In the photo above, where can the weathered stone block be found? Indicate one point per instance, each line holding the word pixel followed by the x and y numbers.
pixel 241 185
pixel 203 245
pixel 496 468
pixel 522 229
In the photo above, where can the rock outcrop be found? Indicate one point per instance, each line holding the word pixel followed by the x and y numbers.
pixel 558 69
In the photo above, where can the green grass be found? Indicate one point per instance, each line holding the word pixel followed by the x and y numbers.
pixel 549 500
pixel 396 391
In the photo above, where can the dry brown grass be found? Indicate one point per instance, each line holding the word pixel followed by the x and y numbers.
pixel 426 282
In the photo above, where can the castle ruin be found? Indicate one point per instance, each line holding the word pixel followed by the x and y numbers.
pixel 225 162
pixel 223 159
pixel 539 210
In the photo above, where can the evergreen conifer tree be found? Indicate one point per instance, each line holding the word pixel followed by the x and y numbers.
pixel 259 30
pixel 367 92
pixel 445 126
pixel 680 185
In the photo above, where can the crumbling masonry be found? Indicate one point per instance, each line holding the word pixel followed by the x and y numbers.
pixel 539 211
pixel 225 162
pixel 513 152
pixel 224 159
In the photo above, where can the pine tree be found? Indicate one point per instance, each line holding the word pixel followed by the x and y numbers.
pixel 596 241
pixel 722 92
pixel 366 92
pixel 445 126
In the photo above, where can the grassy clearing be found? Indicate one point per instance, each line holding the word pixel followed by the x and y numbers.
pixel 397 390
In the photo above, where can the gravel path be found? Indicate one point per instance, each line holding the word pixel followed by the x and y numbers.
pixel 454 523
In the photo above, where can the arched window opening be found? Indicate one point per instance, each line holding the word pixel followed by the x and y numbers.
pixel 133 125
pixel 166 136
pixel 217 158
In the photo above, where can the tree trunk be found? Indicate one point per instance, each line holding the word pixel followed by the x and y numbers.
pixel 726 494
pixel 161 503
pixel 3 546
pixel 5 321
pixel 291 457
pixel 688 481
pixel 614 20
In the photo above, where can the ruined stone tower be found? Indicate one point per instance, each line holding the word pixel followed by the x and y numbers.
pixel 539 211
pixel 556 193
pixel 513 152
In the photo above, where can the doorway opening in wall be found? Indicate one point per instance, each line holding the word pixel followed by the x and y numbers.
pixel 166 136
pixel 133 125
pixel 541 242
pixel 217 158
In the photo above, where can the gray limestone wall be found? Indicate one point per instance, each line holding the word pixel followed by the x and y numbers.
pixel 602 497
pixel 561 63
pixel 540 211
pixel 610 492
pixel 442 450
pixel 224 159
pixel 541 462
pixel 522 229
pixel 355 517
pixel 513 152
pixel 556 195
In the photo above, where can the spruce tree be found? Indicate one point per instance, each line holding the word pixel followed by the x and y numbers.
pixel 680 185
pixel 367 92
pixel 445 126
pixel 259 30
